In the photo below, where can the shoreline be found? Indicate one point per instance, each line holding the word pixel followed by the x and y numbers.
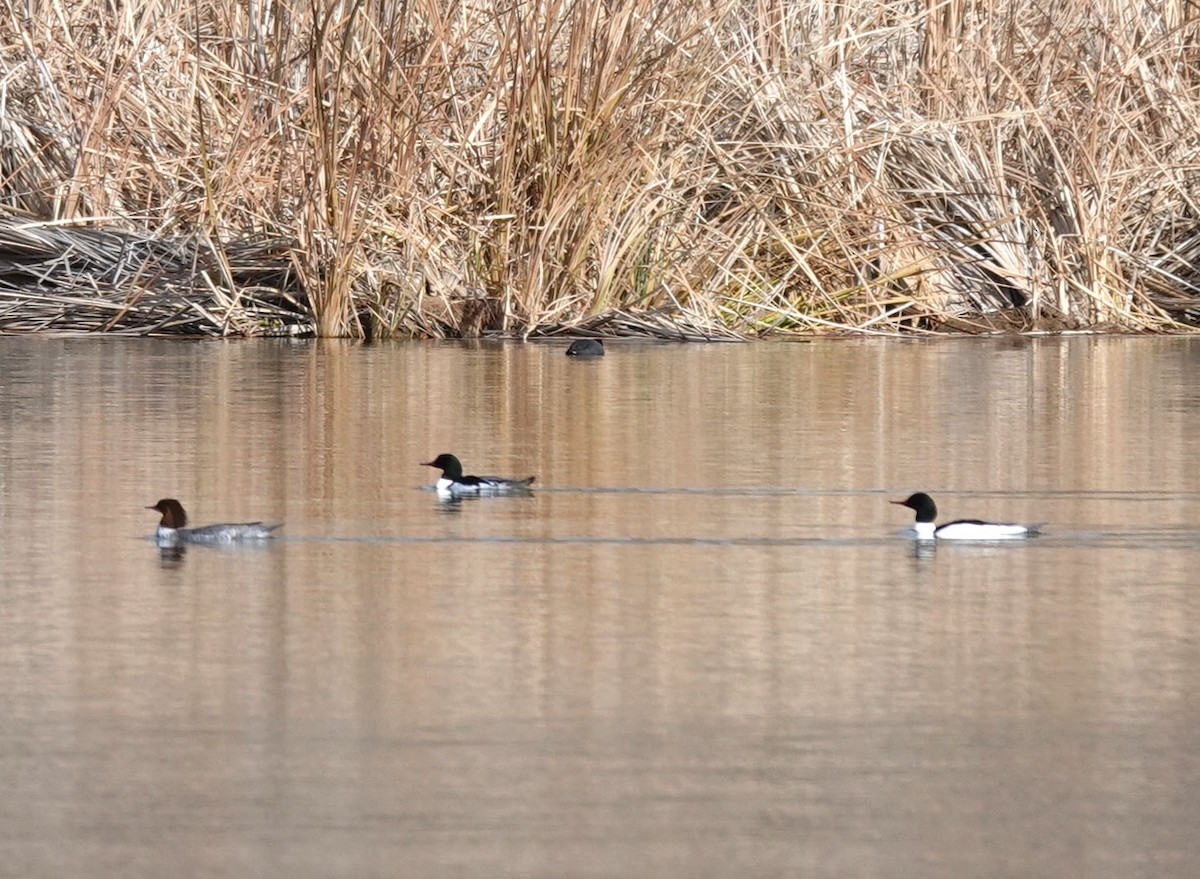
pixel 81 279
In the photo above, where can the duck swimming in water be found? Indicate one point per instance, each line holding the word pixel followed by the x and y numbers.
pixel 453 483
pixel 960 529
pixel 171 528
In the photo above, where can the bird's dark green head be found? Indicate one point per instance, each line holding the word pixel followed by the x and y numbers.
pixel 922 504
pixel 448 464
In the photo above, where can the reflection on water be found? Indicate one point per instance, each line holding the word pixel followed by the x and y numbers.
pixel 698 648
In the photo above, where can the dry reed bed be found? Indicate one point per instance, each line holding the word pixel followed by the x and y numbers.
pixel 84 279
pixel 713 169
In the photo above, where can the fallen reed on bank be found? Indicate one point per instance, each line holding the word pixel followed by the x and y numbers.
pixel 703 170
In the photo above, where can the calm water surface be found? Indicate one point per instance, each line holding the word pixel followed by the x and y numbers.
pixel 700 650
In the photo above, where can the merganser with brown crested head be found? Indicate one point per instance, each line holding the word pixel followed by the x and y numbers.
pixel 171 529
pixel 960 529
pixel 453 483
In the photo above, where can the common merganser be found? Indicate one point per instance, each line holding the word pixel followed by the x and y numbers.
pixel 452 483
pixel 586 348
pixel 171 529
pixel 960 529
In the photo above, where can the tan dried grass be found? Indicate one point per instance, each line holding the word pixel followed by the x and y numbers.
pixel 464 168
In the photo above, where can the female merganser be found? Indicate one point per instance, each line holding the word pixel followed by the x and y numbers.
pixel 960 529
pixel 586 348
pixel 171 529
pixel 452 482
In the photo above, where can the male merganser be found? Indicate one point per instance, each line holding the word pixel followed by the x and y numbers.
pixel 171 529
pixel 586 348
pixel 960 529
pixel 452 482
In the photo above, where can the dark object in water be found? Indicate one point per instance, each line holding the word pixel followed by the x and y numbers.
pixel 586 348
